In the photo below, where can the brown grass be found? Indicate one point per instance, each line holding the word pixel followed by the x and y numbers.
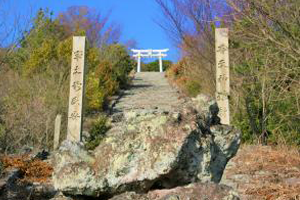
pixel 34 170
pixel 270 172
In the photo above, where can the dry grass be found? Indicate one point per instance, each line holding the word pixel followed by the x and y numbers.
pixel 33 170
pixel 267 173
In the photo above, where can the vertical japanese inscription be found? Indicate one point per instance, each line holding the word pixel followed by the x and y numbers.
pixel 222 74
pixel 76 90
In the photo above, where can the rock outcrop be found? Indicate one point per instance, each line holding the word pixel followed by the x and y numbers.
pixel 197 191
pixel 150 150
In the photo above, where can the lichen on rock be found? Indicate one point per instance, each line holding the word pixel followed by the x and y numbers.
pixel 150 149
pixel 199 191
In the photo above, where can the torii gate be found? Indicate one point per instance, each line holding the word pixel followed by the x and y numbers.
pixel 160 53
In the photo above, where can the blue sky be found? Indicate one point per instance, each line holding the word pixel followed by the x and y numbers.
pixel 137 18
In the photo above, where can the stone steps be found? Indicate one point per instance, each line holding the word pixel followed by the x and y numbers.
pixel 149 90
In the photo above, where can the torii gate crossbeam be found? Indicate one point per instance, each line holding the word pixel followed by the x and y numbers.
pixel 139 53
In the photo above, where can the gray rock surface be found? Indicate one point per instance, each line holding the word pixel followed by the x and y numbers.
pixel 195 191
pixel 8 178
pixel 157 140
pixel 11 188
pixel 148 150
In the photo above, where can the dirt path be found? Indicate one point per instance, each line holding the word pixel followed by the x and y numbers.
pixel 149 90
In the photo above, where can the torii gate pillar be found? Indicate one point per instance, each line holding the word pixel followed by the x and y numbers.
pixel 160 65
pixel 139 64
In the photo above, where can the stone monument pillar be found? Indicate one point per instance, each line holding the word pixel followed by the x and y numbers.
pixel 222 74
pixel 76 90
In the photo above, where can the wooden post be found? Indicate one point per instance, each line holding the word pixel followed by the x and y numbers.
pixel 222 74
pixel 57 131
pixel 76 90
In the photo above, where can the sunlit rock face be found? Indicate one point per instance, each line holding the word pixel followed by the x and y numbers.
pixel 197 191
pixel 150 149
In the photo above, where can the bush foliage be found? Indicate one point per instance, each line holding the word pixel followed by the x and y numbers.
pixel 265 63
pixel 35 76
pixel 154 66
pixel 97 132
pixel 264 54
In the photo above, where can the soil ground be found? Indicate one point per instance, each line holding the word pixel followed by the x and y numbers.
pixel 265 173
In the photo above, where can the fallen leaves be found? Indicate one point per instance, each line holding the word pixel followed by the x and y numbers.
pixel 273 172
pixel 33 170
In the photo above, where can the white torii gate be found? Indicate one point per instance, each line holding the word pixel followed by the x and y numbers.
pixel 149 53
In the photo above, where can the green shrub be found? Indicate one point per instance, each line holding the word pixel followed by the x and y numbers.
pixel 35 87
pixel 265 72
pixel 2 133
pixel 95 97
pixel 121 63
pixel 154 66
pixel 193 88
pixel 187 83
pixel 97 132
pixel 108 76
